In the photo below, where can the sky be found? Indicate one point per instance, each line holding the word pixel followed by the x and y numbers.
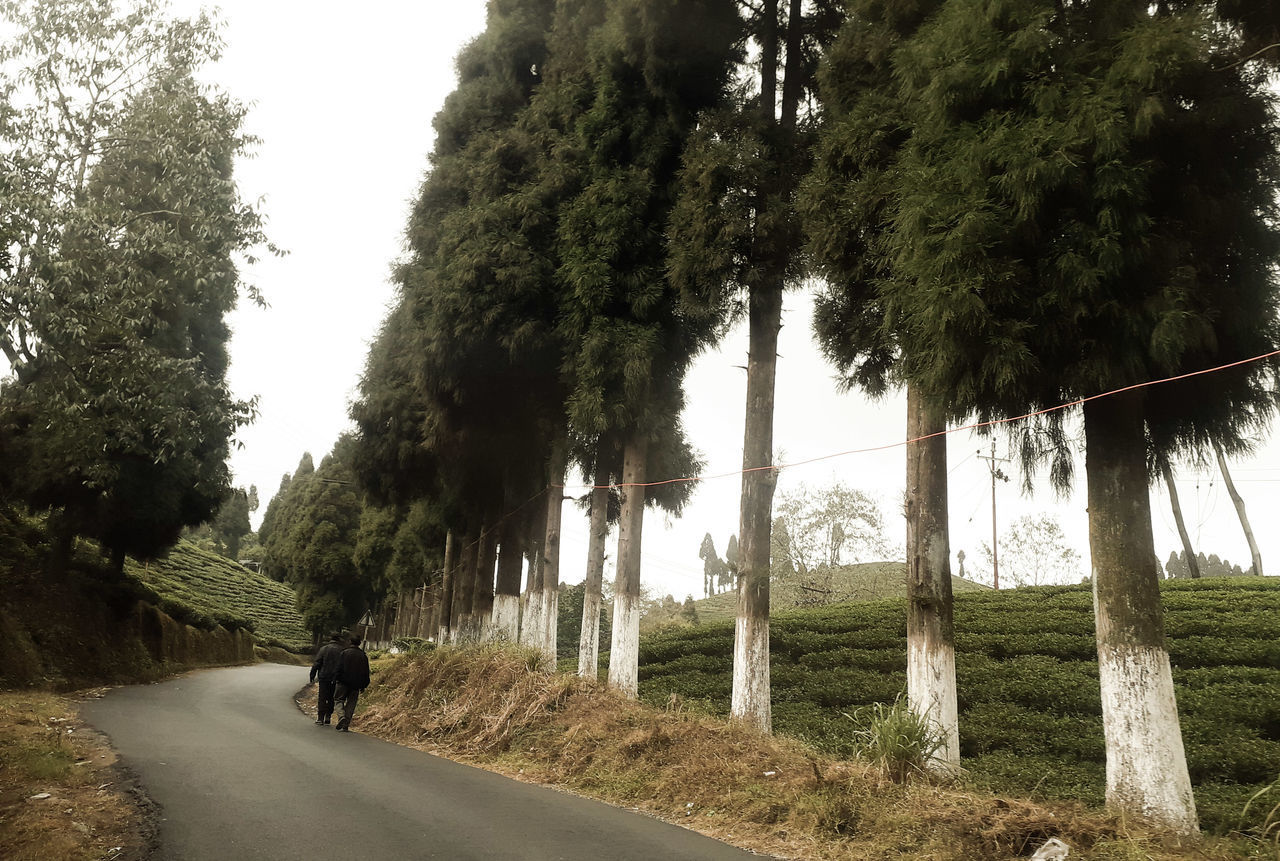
pixel 342 96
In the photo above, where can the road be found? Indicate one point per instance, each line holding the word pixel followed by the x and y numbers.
pixel 239 772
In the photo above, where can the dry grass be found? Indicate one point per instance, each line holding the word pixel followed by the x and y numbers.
pixel 62 796
pixel 490 707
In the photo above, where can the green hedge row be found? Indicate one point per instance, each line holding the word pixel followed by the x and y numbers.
pixel 1027 683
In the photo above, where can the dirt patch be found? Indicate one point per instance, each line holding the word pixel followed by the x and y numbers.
pixel 64 796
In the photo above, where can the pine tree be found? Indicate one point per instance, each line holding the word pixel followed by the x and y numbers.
pixel 1094 215
pixel 737 241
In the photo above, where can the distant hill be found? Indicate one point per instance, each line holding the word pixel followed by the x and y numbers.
pixel 222 590
pixel 867 581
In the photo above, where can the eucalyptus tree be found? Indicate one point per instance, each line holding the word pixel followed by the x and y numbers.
pixel 737 242
pixel 652 67
pixel 1085 202
pixel 847 198
pixel 125 226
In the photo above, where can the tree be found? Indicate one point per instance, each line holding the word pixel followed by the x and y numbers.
pixel 312 543
pixel 1034 552
pixel 231 523
pixel 737 241
pixel 831 526
pixel 1238 501
pixel 1084 203
pixel 1166 472
pixel 847 199
pixel 710 564
pixel 126 224
pixel 629 343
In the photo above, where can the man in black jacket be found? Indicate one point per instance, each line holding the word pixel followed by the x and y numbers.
pixel 353 677
pixel 325 669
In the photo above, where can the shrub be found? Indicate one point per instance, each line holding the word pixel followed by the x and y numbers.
pixel 895 739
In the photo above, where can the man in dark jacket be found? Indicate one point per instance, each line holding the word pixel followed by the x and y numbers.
pixel 325 668
pixel 353 677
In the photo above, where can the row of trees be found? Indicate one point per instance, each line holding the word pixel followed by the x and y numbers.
pixel 120 231
pixel 1013 204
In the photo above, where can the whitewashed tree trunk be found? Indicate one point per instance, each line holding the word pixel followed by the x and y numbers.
pixel 446 587
pixel 1146 763
pixel 551 556
pixel 751 703
pixel 931 651
pixel 624 654
pixel 506 618
pixel 589 640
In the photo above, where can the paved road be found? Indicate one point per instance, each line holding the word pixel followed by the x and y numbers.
pixel 239 773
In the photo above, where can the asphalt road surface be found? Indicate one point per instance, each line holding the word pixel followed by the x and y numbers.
pixel 239 773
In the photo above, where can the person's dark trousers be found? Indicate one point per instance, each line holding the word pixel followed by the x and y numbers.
pixel 324 702
pixel 346 697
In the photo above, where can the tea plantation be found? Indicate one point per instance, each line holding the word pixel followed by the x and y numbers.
pixel 1027 680
pixel 192 583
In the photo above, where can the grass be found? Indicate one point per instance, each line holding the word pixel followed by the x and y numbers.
pixel 488 707
pixel 61 798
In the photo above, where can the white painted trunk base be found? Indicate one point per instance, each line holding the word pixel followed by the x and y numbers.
pixel 550 619
pixel 442 635
pixel 931 693
pixel 751 699
pixel 531 633
pixel 505 625
pixel 624 654
pixel 1146 761
pixel 589 642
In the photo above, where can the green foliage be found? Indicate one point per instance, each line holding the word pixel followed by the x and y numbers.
pixel 203 588
pixel 1027 683
pixel 895 739
pixel 125 226
pixel 412 645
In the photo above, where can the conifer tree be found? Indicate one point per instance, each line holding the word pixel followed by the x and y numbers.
pixel 1096 214
pixel 846 199
pixel 652 67
pixel 736 241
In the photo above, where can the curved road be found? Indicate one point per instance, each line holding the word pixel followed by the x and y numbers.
pixel 239 772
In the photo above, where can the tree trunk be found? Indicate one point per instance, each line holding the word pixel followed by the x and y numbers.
pixel 446 588
pixel 1193 564
pixel 464 588
pixel 589 640
pixel 530 622
pixel 482 600
pixel 1146 763
pixel 506 599
pixel 751 700
pixel 624 655
pixel 931 648
pixel 1244 519
pixel 551 556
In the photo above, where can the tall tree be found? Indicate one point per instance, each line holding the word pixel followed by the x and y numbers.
pixel 847 199
pixel 1085 202
pixel 652 68
pixel 126 224
pixel 737 242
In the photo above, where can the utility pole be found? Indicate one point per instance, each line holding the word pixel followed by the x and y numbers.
pixel 996 472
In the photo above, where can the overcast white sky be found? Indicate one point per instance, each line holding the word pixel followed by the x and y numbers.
pixel 343 95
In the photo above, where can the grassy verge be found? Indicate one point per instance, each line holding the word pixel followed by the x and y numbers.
pixel 489 707
pixel 62 797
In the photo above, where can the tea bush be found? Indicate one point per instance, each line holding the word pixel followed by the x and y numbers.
pixel 1027 683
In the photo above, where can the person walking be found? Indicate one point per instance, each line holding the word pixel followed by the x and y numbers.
pixel 325 670
pixel 353 677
